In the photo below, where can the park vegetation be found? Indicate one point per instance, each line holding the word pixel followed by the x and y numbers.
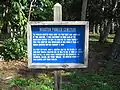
pixel 104 41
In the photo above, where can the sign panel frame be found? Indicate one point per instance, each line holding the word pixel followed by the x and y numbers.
pixel 56 65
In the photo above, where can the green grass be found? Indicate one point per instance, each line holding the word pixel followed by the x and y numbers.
pixel 1 45
pixel 90 81
pixel 95 37
pixel 43 82
pixel 75 80
pixel 111 37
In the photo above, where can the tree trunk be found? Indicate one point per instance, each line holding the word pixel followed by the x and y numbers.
pixel 105 32
pixel 112 31
pixel 116 47
pixel 84 8
pixel 30 10
pixel 94 28
pixel 91 27
pixel 97 28
pixel 102 26
pixel 114 55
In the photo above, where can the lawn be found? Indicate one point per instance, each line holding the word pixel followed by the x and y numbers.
pixel 95 77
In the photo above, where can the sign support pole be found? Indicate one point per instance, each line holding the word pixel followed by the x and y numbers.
pixel 57 18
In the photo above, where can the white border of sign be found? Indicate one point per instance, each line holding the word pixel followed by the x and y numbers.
pixel 56 65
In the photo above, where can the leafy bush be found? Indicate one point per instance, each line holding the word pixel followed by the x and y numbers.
pixel 14 48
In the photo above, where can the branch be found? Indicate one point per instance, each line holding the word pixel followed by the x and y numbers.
pixel 115 6
pixel 30 10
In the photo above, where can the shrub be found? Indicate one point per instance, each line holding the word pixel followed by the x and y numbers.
pixel 14 48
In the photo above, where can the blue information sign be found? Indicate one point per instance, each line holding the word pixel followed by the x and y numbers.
pixel 58 44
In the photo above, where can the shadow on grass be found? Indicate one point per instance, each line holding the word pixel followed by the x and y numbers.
pixel 77 80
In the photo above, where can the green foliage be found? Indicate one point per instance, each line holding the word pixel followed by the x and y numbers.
pixel 14 48
pixel 18 19
pixel 42 10
pixel 43 83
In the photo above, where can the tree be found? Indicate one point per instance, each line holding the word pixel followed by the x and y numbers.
pixel 102 13
pixel 17 17
pixel 115 51
pixel 109 14
pixel 72 9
